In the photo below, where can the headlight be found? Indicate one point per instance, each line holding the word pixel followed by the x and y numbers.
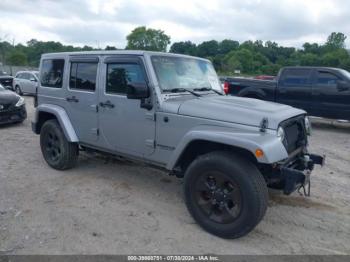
pixel 280 133
pixel 20 102
pixel 308 127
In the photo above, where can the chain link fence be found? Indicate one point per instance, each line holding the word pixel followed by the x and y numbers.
pixel 12 70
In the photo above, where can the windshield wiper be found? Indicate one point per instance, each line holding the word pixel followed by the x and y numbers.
pixel 208 89
pixel 179 90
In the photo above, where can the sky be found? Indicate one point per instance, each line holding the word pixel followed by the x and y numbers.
pixel 107 22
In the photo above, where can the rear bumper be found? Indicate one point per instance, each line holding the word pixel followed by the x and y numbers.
pixel 13 116
pixel 298 174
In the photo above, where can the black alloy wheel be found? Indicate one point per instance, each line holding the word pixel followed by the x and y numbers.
pixel 218 196
pixel 225 193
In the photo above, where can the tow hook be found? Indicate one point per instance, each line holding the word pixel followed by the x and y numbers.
pixel 295 180
pixel 306 187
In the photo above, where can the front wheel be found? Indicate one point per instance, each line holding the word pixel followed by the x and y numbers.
pixel 225 194
pixel 57 151
pixel 18 90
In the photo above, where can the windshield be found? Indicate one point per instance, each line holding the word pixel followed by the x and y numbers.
pixel 184 72
pixel 36 74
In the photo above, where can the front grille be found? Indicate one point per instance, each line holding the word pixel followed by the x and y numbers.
pixel 6 82
pixel 295 133
pixel 13 114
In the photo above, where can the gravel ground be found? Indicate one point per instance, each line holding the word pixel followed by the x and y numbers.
pixel 116 207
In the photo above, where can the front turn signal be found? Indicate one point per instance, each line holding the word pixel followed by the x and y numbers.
pixel 259 153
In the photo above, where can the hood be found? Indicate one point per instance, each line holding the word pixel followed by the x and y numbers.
pixel 8 97
pixel 6 77
pixel 247 111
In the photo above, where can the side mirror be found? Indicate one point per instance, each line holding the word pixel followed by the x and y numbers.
pixel 137 91
pixel 32 79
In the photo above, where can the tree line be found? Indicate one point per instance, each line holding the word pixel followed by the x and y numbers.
pixel 268 57
pixel 249 57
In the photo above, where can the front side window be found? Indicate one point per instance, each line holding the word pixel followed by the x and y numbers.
pixel 83 76
pixel 120 75
pixel 326 78
pixel 26 76
pixel 183 72
pixel 297 77
pixel 52 73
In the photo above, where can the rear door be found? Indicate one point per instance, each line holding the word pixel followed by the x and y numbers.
pixel 81 97
pixel 125 125
pixel 294 88
pixel 330 98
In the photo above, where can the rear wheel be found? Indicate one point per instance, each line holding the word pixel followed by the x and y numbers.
pixel 57 151
pixel 225 194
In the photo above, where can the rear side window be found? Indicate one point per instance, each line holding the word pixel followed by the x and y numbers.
pixel 51 74
pixel 297 77
pixel 83 76
pixel 326 78
pixel 120 75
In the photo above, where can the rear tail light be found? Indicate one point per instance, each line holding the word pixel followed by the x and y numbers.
pixel 226 87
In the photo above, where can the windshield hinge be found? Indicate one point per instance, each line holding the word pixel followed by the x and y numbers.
pixel 264 124
pixel 151 116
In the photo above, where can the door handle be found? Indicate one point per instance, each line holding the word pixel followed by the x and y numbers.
pixel 341 89
pixel 107 104
pixel 72 99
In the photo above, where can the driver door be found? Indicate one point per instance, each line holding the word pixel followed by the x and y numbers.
pixel 124 125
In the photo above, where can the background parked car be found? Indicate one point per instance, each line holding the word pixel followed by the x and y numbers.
pixel 320 91
pixel 26 82
pixel 6 80
pixel 12 107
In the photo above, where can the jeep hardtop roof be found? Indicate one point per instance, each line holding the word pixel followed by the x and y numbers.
pixel 115 52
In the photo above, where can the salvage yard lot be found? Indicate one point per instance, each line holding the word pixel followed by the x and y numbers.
pixel 107 206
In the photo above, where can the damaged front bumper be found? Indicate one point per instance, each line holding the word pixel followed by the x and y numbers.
pixel 294 174
pixel 298 176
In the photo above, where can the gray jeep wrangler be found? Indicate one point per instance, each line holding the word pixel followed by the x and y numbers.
pixel 168 110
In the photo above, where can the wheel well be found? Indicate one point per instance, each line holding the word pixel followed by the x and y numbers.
pixel 42 118
pixel 201 147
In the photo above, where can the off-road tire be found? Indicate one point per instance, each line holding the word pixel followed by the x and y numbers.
pixel 252 187
pixel 68 152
